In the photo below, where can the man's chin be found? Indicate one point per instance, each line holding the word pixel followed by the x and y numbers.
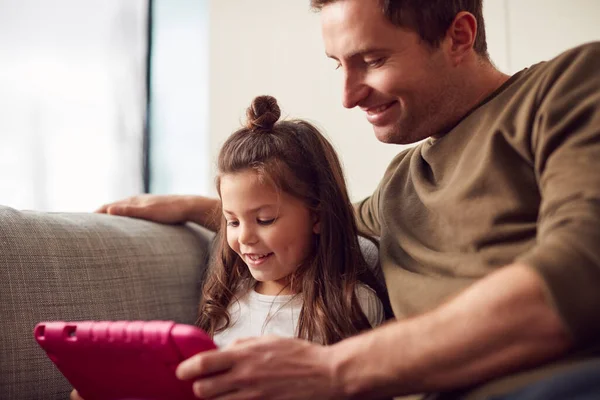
pixel 385 134
pixel 393 135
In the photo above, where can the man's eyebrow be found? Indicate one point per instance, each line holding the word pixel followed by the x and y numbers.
pixel 360 52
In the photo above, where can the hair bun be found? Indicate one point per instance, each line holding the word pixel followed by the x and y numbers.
pixel 263 113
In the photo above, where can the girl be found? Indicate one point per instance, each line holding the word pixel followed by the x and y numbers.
pixel 288 261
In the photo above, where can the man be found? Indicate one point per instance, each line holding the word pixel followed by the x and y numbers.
pixel 489 228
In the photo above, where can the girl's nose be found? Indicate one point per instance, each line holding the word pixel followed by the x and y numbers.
pixel 247 236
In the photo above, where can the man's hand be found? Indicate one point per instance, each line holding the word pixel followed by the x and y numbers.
pixel 267 368
pixel 167 209
pixel 75 396
pixel 499 325
pixel 164 209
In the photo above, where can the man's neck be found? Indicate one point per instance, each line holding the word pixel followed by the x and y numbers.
pixel 487 80
pixel 481 81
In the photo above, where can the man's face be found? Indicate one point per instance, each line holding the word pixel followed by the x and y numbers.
pixel 404 86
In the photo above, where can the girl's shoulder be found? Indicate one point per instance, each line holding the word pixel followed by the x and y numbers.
pixel 370 303
pixel 364 291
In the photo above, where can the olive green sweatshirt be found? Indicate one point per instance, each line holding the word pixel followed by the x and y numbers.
pixel 516 180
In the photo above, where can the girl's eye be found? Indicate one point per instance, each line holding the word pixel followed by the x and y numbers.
pixel 338 66
pixel 232 223
pixel 265 221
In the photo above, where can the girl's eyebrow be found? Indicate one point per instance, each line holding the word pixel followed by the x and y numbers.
pixel 253 210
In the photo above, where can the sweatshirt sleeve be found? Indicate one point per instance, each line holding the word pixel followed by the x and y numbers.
pixel 368 211
pixel 367 214
pixel 565 142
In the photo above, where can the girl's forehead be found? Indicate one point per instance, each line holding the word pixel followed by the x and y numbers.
pixel 244 192
pixel 247 183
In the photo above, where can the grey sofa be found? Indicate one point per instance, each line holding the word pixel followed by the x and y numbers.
pixel 70 266
pixel 86 266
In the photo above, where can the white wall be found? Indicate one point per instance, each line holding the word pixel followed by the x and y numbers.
pixel 274 47
pixel 523 32
pixel 541 29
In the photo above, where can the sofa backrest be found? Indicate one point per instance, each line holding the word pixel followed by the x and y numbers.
pixel 86 266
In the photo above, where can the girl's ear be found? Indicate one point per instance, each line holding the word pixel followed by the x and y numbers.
pixel 316 224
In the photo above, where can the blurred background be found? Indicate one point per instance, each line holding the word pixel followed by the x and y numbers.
pixel 103 99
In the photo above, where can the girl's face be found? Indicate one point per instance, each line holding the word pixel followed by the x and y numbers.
pixel 270 230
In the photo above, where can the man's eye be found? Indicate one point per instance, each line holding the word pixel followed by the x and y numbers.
pixel 232 223
pixel 265 221
pixel 375 63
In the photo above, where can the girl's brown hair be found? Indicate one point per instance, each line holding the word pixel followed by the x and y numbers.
pixel 298 160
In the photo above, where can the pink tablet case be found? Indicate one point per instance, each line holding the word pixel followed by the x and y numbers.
pixel 117 360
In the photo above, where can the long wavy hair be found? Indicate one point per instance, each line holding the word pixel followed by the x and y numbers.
pixel 297 159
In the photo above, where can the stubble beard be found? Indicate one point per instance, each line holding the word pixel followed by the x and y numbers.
pixel 405 131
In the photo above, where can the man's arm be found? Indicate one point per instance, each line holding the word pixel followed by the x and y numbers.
pixel 510 319
pixel 500 324
pixel 168 209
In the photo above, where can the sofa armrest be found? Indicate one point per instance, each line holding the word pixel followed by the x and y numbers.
pixel 80 266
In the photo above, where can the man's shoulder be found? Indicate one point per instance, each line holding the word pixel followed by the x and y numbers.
pixel 541 84
pixel 591 49
pixel 582 59
pixel 401 161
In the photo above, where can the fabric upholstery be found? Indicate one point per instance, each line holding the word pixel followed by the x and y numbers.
pixel 86 266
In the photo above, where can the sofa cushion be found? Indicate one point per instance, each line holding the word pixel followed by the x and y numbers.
pixel 86 266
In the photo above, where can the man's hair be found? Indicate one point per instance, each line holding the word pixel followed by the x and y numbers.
pixel 430 19
pixel 297 159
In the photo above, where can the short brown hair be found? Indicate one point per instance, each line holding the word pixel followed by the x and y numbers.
pixel 430 19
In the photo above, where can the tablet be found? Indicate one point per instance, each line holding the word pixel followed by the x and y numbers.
pixel 118 360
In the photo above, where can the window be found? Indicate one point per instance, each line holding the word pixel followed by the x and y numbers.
pixel 72 102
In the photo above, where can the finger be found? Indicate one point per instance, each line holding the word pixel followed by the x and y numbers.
pixel 103 209
pixel 268 338
pixel 75 395
pixel 124 210
pixel 240 395
pixel 232 395
pixel 214 387
pixel 250 341
pixel 238 342
pixel 114 209
pixel 206 363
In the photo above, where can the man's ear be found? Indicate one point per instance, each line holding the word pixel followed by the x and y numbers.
pixel 461 35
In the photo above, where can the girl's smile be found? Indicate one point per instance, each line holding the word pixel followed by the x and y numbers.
pixel 256 260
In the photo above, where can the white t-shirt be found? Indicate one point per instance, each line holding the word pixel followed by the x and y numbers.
pixel 256 314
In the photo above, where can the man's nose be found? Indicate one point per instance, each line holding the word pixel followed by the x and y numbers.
pixel 355 90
